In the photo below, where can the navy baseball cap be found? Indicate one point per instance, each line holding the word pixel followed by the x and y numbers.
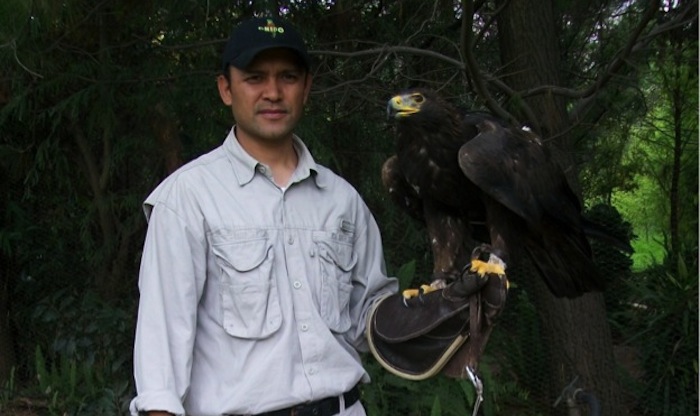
pixel 258 34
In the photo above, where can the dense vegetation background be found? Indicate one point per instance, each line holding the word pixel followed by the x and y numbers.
pixel 100 100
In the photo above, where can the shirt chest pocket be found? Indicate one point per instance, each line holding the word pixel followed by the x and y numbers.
pixel 249 296
pixel 337 260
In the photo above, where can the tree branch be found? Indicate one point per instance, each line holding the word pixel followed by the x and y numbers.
pixel 688 14
pixel 386 50
pixel 472 68
pixel 615 66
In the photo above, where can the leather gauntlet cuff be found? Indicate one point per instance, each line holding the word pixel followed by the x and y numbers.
pixel 416 340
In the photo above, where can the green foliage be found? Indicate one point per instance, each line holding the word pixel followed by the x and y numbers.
pixel 84 327
pixel 82 355
pixel 516 345
pixel 406 274
pixel 662 203
pixel 78 388
pixel 65 386
pixel 662 322
pixel 647 220
pixel 8 389
pixel 389 395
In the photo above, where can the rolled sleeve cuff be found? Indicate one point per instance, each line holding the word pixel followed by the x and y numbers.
pixel 156 400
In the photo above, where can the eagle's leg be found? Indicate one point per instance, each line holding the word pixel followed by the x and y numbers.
pixel 449 239
pixel 484 308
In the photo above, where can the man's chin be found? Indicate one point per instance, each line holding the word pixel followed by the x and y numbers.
pixel 276 136
pixel 273 136
pixel 262 134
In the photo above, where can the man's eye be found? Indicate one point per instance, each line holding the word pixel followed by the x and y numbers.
pixel 253 78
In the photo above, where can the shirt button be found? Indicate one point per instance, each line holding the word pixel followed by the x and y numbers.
pixel 296 284
pixel 312 371
pixel 305 327
pixel 290 240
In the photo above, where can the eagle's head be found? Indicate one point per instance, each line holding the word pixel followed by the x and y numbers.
pixel 405 104
pixel 424 109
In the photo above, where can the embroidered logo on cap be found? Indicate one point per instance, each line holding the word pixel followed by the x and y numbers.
pixel 271 28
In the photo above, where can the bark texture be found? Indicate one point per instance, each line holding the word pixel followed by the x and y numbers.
pixel 576 331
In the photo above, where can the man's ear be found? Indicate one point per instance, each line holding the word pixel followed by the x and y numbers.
pixel 224 89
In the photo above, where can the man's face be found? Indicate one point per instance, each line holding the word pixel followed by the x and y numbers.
pixel 268 97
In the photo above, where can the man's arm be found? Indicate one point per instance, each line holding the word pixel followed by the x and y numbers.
pixel 170 284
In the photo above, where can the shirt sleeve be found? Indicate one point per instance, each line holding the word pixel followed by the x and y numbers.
pixel 370 281
pixel 171 280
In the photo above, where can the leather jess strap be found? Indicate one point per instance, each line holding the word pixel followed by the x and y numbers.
pixel 325 407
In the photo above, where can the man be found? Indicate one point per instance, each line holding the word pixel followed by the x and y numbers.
pixel 259 266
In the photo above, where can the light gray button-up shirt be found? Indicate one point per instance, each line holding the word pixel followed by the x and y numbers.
pixel 253 298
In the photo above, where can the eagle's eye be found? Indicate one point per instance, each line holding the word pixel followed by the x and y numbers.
pixel 418 98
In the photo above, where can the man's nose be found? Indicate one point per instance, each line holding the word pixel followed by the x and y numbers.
pixel 272 89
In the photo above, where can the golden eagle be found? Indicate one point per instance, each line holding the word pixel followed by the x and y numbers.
pixel 472 180
pixel 463 171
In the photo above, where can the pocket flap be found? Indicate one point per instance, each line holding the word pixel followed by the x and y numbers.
pixel 243 256
pixel 341 254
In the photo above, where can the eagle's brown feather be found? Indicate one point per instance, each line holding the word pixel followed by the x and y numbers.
pixel 461 172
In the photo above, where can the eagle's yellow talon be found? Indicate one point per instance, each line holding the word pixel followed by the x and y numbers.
pixel 412 293
pixel 481 267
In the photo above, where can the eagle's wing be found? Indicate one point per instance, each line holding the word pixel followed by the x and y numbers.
pixel 399 190
pixel 532 203
pixel 518 172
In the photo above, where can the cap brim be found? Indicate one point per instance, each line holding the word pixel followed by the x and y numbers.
pixel 244 60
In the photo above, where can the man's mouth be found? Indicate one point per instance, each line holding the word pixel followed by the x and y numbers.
pixel 273 114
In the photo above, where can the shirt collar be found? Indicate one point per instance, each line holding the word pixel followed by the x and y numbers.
pixel 245 166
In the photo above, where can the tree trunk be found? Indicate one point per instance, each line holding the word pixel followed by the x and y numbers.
pixel 580 345
pixel 576 331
